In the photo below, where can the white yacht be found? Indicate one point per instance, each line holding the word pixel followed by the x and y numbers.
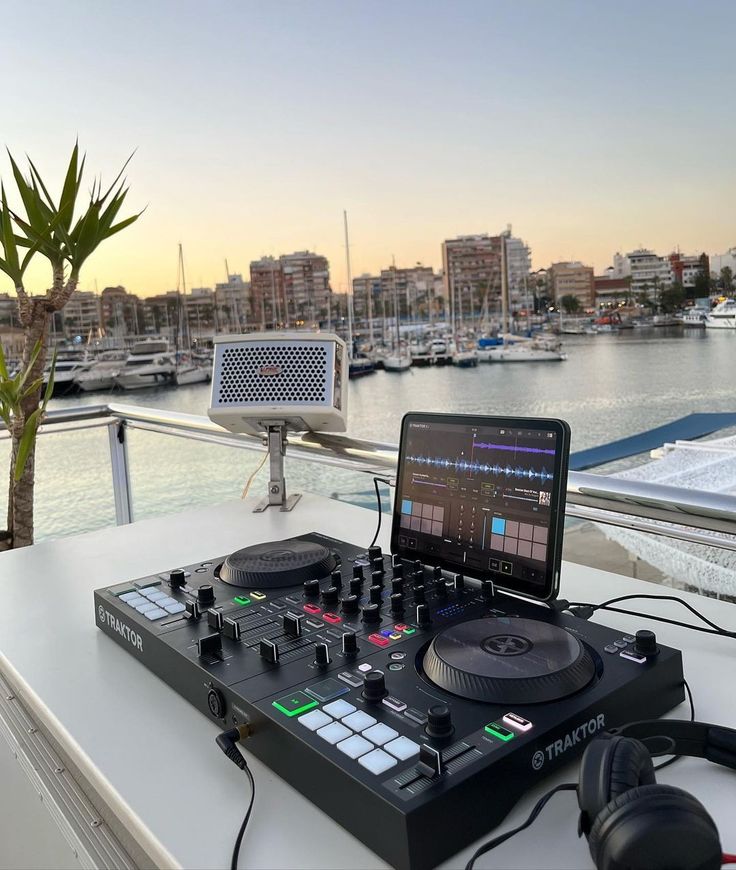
pixel 101 374
pixel 150 363
pixel 191 371
pixel 69 364
pixel 525 350
pixel 695 317
pixel 723 316
pixel 397 362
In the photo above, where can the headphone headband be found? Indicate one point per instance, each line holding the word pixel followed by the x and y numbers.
pixel 682 737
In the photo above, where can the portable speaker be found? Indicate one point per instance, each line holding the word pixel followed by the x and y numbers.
pixel 295 378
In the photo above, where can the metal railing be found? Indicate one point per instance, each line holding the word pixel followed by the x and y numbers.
pixel 690 515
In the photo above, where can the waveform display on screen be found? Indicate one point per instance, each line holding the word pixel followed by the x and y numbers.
pixel 482 467
pixel 513 448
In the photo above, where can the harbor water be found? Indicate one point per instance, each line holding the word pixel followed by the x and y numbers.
pixel 609 387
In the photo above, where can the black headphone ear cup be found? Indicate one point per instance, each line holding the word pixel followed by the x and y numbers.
pixel 610 767
pixel 655 827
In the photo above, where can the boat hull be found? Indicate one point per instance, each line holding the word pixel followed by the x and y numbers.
pixel 397 363
pixel 144 381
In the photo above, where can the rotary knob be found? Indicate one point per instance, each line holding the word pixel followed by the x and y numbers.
pixel 311 588
pixel 646 643
pixel 350 644
pixel 371 613
pixel 487 591
pixel 356 586
pixel 330 596
pixel 350 604
pixel 321 655
pixel 206 595
pixel 375 593
pixel 397 584
pixel 375 552
pixel 439 721
pixel 397 602
pixel 177 578
pixel 420 594
pixel 358 571
pixel 440 588
pixel 398 570
pixel 336 579
pixel 374 687
pixel 377 578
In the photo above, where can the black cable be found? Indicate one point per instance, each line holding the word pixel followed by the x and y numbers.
pixel 376 481
pixel 588 610
pixel 674 758
pixel 246 819
pixel 531 818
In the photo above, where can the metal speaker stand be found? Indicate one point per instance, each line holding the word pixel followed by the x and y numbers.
pixel 276 443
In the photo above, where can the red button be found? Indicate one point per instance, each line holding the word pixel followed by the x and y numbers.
pixel 400 626
pixel 312 608
pixel 378 640
pixel 331 617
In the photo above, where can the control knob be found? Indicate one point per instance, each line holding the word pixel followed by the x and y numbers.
pixel 350 644
pixel 397 584
pixel 377 578
pixel 177 578
pixel 375 552
pixel 420 594
pixel 487 591
pixel 646 643
pixel 371 612
pixel 331 595
pixel 423 616
pixel 356 585
pixel 358 571
pixel 321 655
pixel 397 602
pixel 311 588
pixel 336 579
pixel 374 687
pixel 398 570
pixel 375 593
pixel 350 604
pixel 206 595
pixel 439 721
pixel 440 588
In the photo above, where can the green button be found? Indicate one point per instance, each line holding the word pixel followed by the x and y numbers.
pixel 409 630
pixel 293 705
pixel 241 600
pixel 499 731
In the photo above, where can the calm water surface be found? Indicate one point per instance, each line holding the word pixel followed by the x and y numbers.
pixel 610 386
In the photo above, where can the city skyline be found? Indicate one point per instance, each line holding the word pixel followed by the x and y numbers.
pixel 256 126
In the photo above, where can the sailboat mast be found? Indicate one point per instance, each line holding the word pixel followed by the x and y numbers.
pixel 184 314
pixel 350 286
pixel 505 326
pixel 396 310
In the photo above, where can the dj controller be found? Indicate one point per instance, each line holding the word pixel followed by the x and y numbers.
pixel 412 704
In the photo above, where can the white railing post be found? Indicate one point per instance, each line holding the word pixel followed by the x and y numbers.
pixel 117 437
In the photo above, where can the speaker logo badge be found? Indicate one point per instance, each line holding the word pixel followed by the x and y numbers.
pixel 270 370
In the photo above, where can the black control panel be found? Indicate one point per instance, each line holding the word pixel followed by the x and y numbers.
pixel 413 705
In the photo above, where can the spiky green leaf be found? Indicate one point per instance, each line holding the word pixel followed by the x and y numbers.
pixel 26 442
pixel 7 237
pixel 3 366
pixel 49 392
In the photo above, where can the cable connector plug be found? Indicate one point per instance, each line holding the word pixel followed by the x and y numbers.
pixel 582 611
pixel 558 604
pixel 226 740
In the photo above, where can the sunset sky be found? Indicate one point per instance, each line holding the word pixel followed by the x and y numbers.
pixel 589 128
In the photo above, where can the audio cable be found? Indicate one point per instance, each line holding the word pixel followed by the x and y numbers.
pixel 226 740
pixel 376 481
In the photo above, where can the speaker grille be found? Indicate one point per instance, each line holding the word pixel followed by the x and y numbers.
pixel 269 374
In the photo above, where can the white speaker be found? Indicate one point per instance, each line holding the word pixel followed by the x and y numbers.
pixel 296 379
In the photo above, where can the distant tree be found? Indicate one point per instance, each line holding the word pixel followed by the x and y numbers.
pixel 725 282
pixel 702 285
pixel 671 298
pixel 642 297
pixel 570 304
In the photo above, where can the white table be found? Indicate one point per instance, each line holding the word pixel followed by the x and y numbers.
pixel 154 756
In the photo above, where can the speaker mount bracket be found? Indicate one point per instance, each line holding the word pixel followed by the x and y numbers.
pixel 276 443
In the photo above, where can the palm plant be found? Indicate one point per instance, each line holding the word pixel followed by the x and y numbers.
pixel 53 231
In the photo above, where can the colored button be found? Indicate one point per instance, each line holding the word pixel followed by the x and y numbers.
pixel 355 746
pixel 499 731
pixel 176 607
pixel 149 605
pixel 312 608
pixel 351 679
pixel 394 703
pixel 294 704
pixel 331 617
pixel 519 723
pixel 155 613
pixel 314 720
pixel 359 721
pixel 380 734
pixel 334 733
pixel 377 761
pixel 378 640
pixel 163 600
pixel 339 709
pixel 151 593
pixel 135 600
pixel 402 748
pixel 395 635
pixel 327 690
pixel 401 626
pixel 241 600
pixel 386 632
pixel 257 596
pixel 409 630
pixel 365 667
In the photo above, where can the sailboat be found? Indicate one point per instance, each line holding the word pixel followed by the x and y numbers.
pixel 396 361
pixel 518 348
pixel 358 363
pixel 187 370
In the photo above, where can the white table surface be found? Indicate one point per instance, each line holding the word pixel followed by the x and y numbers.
pixel 157 752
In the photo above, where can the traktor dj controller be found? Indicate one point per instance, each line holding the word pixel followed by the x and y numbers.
pixel 413 702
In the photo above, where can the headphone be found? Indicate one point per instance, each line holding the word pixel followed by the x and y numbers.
pixel 633 823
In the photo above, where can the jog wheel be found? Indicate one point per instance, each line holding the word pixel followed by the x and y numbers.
pixel 276 564
pixel 508 660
